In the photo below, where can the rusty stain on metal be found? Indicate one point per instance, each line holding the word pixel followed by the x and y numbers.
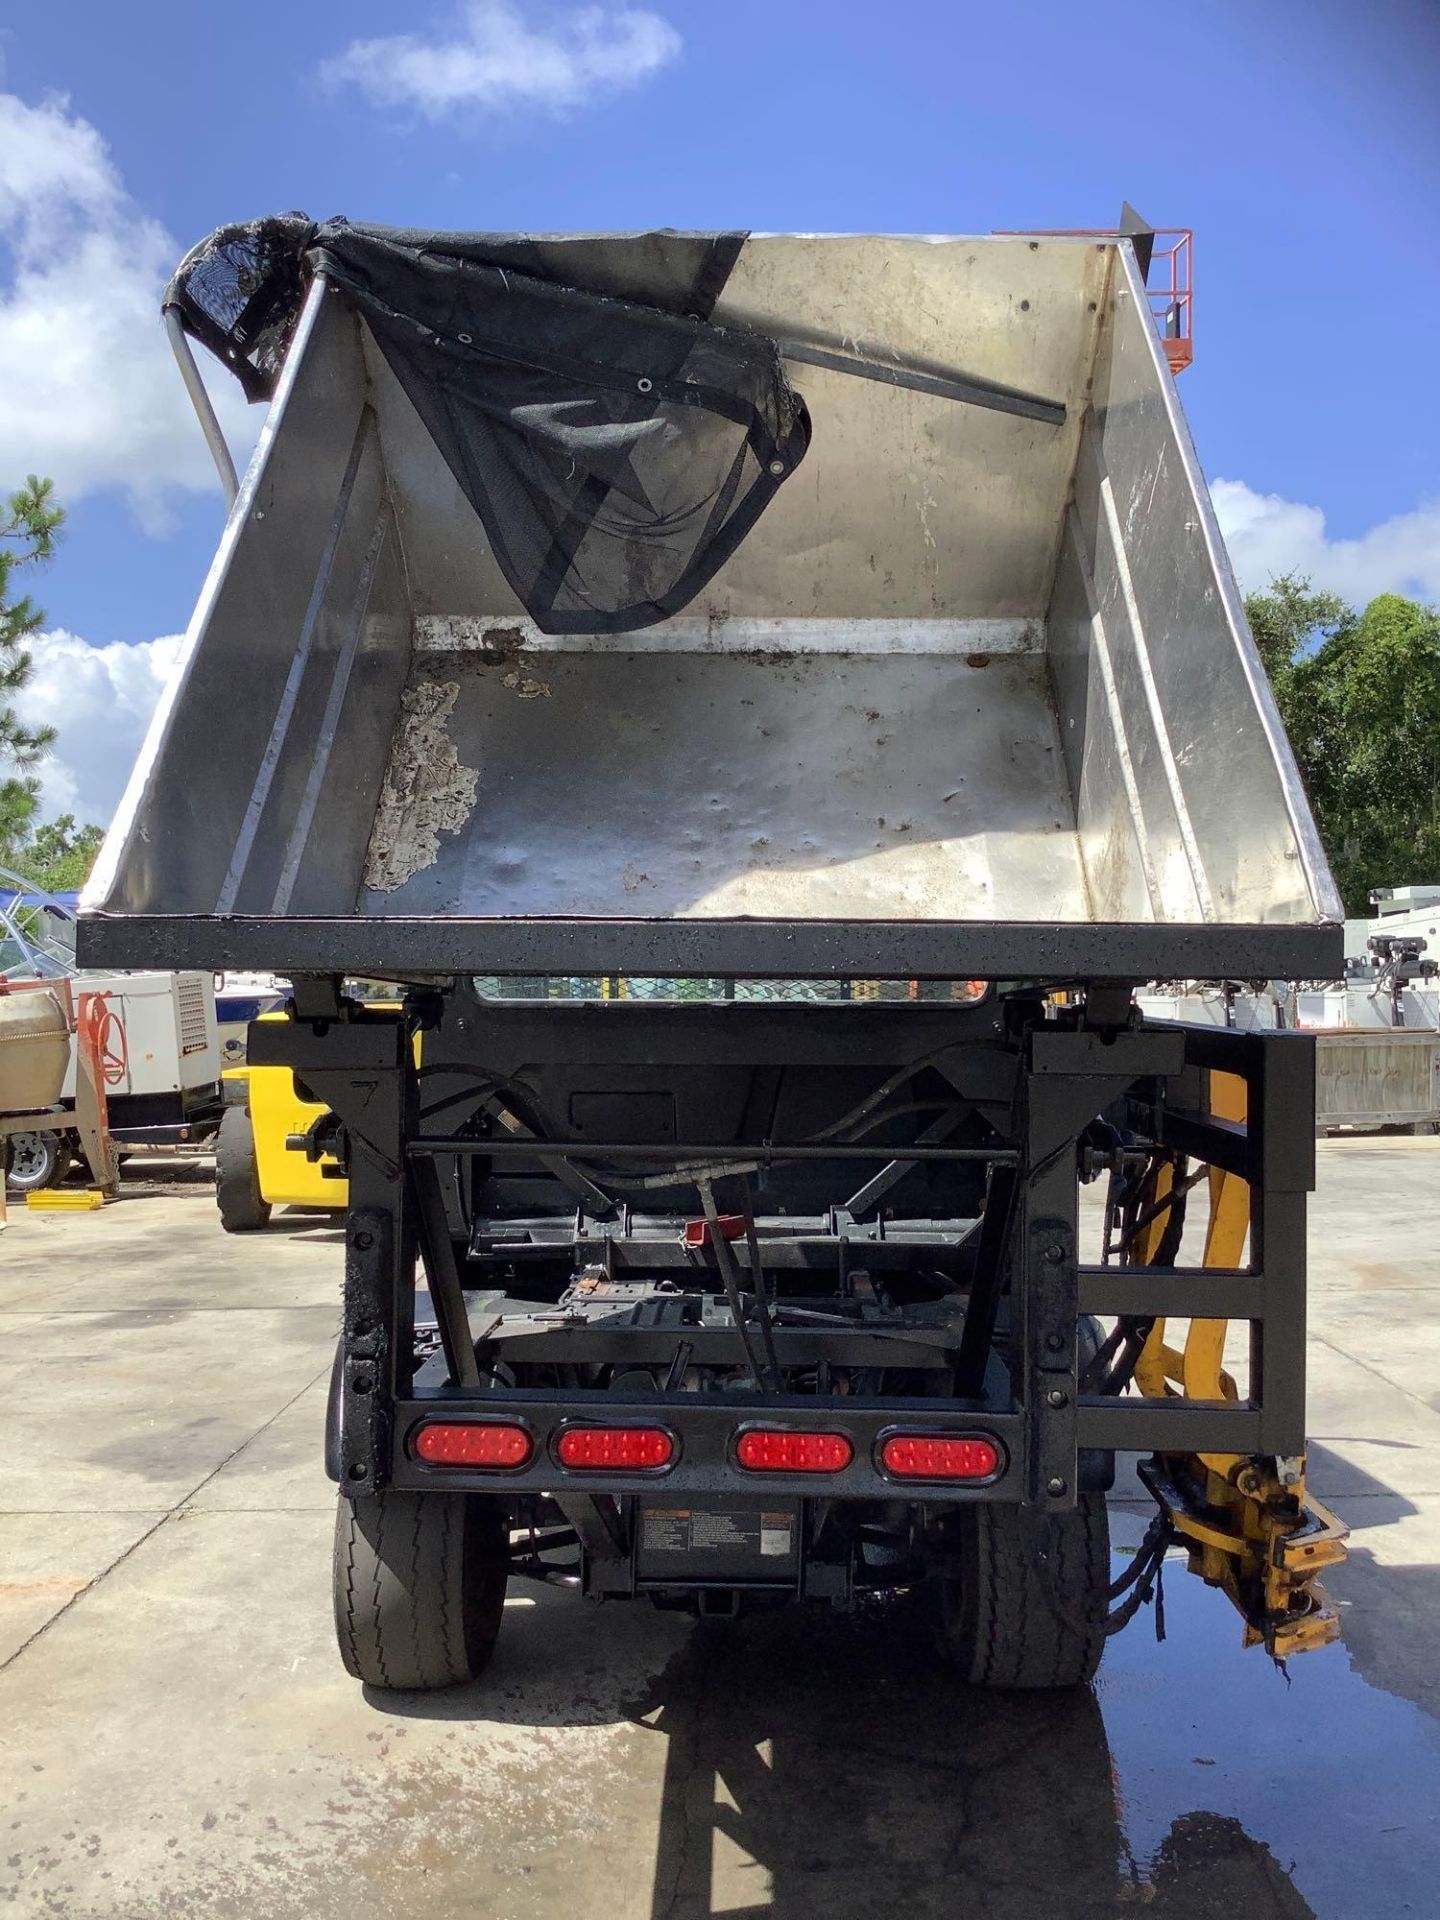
pixel 426 792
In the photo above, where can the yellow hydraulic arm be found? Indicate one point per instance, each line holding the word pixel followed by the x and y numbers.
pixel 1247 1521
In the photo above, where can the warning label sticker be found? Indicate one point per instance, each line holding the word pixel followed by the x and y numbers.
pixel 714 1527
pixel 727 1530
pixel 665 1530
pixel 777 1534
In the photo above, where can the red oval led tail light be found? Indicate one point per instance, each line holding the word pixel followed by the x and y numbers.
pixel 939 1456
pixel 473 1443
pixel 777 1450
pixel 615 1449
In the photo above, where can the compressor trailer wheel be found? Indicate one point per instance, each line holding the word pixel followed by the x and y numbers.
pixel 36 1160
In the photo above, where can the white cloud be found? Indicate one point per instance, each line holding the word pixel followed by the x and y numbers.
pixel 1268 535
pixel 99 700
pixel 493 57
pixel 91 394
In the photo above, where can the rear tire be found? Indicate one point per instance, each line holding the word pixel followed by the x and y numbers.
pixel 419 1587
pixel 243 1207
pixel 1026 1607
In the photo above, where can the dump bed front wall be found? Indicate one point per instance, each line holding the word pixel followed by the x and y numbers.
pixel 906 505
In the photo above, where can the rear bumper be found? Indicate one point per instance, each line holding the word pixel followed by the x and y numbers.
pixel 705 1429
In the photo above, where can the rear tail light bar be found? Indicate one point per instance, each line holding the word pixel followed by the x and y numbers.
pixel 939 1456
pixel 586 1449
pixel 782 1450
pixel 507 1445
pixel 489 1444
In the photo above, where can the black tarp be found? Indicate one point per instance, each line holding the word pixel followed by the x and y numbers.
pixel 616 445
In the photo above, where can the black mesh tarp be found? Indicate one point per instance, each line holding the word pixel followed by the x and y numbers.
pixel 616 445
pixel 239 292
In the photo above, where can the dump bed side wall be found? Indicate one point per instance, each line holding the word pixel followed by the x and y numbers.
pixel 282 712
pixel 1188 803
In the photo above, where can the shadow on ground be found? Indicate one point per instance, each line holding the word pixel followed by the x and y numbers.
pixel 863 1781
pixel 818 1766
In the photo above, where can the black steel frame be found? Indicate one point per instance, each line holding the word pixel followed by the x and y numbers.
pixel 1041 1087
pixel 407 948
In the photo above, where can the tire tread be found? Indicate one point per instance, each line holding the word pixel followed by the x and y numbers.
pixel 1033 1592
pixel 408 1569
pixel 243 1207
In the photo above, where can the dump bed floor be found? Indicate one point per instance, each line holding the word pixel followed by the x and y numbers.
pixel 779 785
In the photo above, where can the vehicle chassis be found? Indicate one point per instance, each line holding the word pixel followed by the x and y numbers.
pixel 1037 1074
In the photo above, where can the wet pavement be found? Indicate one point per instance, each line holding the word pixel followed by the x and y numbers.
pixel 177 1736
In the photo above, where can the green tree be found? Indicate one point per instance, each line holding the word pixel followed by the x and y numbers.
pixel 59 855
pixel 29 523
pixel 1288 621
pixel 1360 698
pixel 19 801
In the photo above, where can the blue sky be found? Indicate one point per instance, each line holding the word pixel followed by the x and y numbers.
pixel 1299 138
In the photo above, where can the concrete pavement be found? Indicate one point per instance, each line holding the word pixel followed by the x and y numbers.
pixel 179 1737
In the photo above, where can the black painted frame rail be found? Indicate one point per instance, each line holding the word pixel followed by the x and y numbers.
pixel 686 1154
pixel 1046 1083
pixel 758 949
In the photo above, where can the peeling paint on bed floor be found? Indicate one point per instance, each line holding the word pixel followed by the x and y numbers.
pixel 427 790
pixel 526 688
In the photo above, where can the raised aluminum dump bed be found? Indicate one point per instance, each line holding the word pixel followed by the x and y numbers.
pixel 975 696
